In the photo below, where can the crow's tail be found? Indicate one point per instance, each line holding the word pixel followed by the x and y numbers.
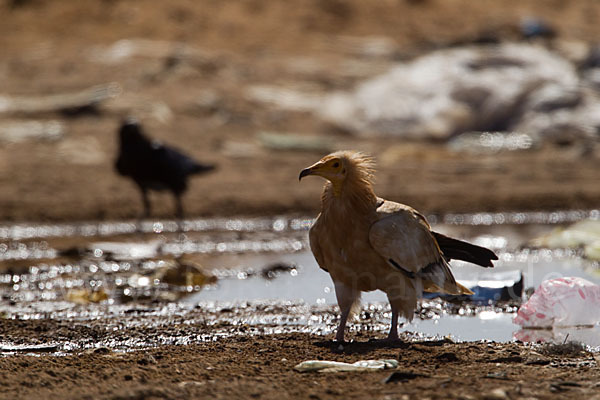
pixel 198 168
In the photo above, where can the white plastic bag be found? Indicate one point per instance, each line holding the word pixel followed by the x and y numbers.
pixel 337 366
pixel 561 302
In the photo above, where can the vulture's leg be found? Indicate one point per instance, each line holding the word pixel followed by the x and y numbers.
pixel 393 335
pixel 346 297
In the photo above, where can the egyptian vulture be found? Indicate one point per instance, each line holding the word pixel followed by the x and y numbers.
pixel 368 243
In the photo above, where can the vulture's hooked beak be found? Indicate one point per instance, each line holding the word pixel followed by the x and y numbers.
pixel 305 172
pixel 317 168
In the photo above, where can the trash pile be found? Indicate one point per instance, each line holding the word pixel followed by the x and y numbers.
pixel 521 88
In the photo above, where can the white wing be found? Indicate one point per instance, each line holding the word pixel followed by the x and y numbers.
pixel 403 238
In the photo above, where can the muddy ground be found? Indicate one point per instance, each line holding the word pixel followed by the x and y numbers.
pixel 200 105
pixel 262 368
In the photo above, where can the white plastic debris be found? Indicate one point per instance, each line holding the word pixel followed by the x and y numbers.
pixel 337 366
pixel 584 234
pixel 592 250
pixel 576 235
pixel 491 142
pixel 18 131
pixel 521 88
pixel 125 49
pixel 88 97
pixel 561 302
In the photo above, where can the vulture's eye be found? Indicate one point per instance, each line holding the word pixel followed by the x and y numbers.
pixel 336 164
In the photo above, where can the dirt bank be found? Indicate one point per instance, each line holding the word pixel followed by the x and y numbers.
pixel 199 102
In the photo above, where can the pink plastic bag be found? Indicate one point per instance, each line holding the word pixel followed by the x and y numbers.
pixel 561 302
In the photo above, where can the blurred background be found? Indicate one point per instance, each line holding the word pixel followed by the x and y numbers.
pixel 467 105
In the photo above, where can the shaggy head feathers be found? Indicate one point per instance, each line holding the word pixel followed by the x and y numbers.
pixel 358 166
pixel 350 175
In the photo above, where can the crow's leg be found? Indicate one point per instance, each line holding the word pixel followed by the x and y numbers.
pixel 178 206
pixel 145 201
pixel 346 297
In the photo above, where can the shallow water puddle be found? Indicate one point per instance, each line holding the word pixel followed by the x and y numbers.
pixel 312 286
pixel 47 268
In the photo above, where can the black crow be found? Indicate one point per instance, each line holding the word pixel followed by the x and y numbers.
pixel 153 165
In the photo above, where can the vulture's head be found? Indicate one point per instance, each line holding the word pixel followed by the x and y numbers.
pixel 342 166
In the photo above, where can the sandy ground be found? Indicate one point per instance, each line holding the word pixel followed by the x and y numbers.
pixel 199 106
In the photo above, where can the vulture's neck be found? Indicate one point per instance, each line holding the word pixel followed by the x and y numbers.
pixel 354 195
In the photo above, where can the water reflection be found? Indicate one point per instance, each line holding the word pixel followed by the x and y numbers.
pixel 32 231
pixel 275 224
pixel 518 218
pixel 588 335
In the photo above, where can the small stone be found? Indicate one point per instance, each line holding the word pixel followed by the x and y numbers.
pixel 448 357
pixel 537 361
pixel 401 376
pixel 102 350
pixel 190 383
pixel 496 394
pixel 497 375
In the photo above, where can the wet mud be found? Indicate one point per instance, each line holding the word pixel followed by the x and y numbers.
pixel 262 367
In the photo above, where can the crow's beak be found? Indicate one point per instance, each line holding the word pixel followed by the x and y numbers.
pixel 208 167
pixel 305 172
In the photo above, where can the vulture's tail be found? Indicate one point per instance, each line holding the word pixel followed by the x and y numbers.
pixel 458 250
